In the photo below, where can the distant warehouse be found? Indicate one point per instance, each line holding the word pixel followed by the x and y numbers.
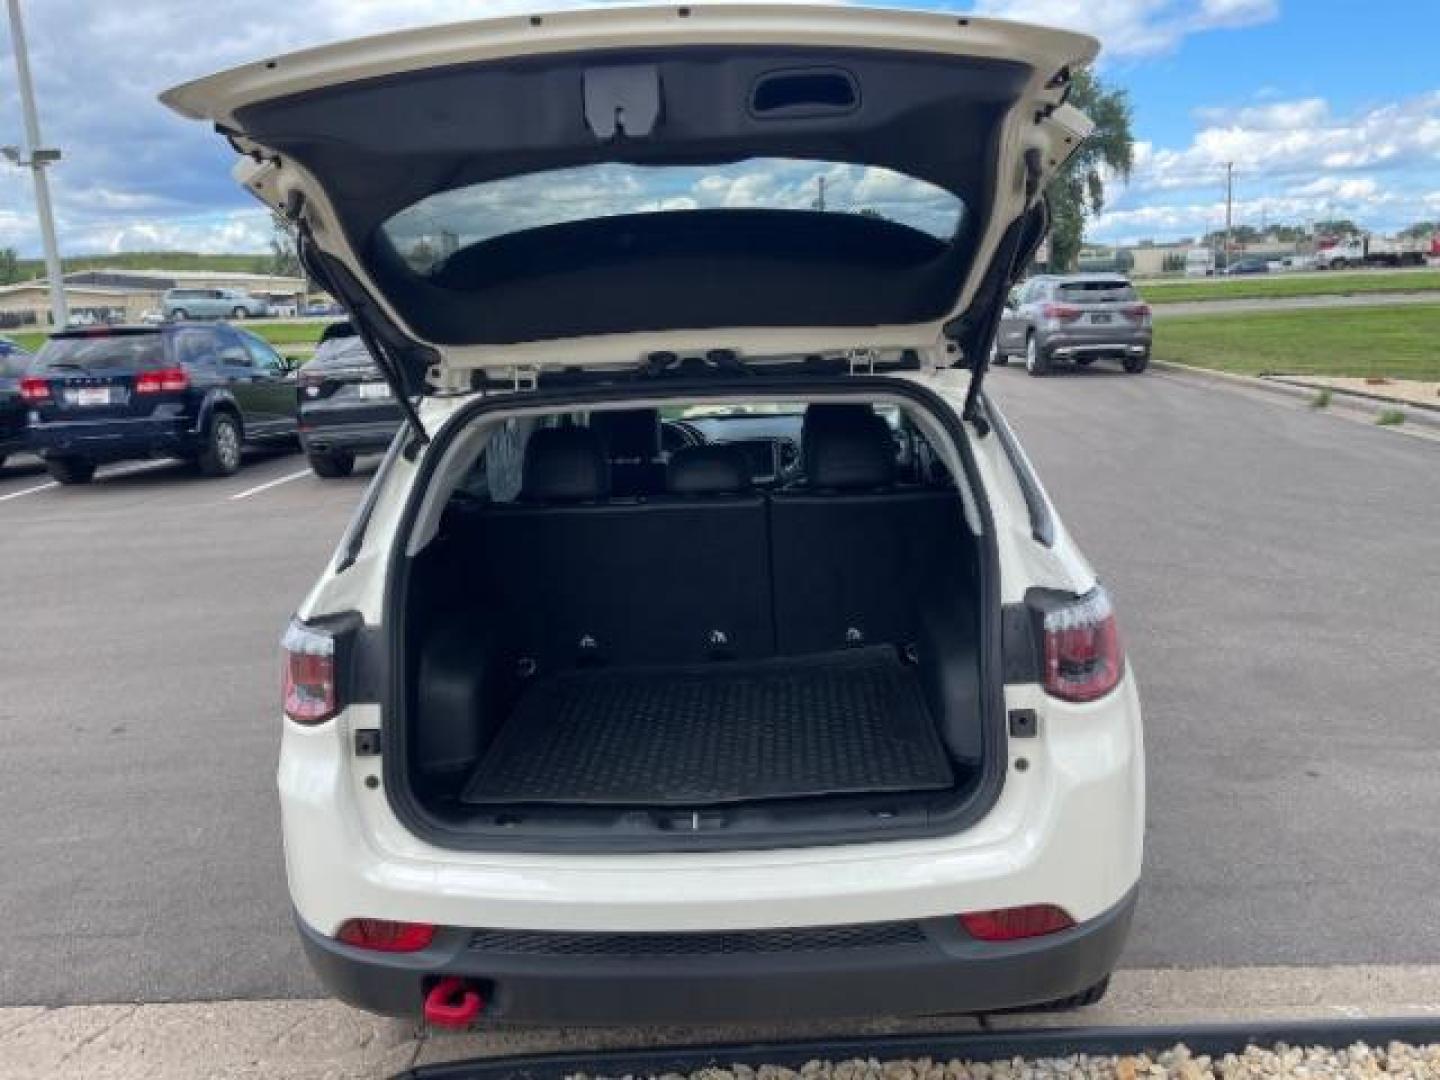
pixel 97 296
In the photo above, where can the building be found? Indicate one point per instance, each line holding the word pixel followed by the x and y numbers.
pixel 126 295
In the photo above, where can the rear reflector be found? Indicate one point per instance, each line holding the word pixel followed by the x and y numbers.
pixel 308 690
pixel 383 935
pixel 33 388
pixel 1017 923
pixel 1083 657
pixel 162 380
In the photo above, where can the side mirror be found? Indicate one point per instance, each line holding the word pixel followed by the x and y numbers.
pixel 292 364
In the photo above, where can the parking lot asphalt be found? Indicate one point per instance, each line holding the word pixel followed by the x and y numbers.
pixel 1275 575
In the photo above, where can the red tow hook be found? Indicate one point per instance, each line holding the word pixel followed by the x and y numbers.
pixel 453 1003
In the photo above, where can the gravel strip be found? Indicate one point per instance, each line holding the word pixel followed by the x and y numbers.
pixel 1359 1060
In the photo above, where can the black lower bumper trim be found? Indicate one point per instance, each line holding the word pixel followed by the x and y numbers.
pixel 944 971
pixel 1211 1039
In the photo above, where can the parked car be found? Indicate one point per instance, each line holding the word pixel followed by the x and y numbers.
pixel 855 737
pixel 196 392
pixel 179 305
pixel 1248 264
pixel 346 407
pixel 1075 317
pixel 14 425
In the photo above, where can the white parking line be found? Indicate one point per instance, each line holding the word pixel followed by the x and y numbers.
pixel 28 491
pixel 270 484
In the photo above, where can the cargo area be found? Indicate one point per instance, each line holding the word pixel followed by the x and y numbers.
pixel 756 621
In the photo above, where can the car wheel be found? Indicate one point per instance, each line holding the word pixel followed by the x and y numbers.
pixel 179 315
pixel 1084 361
pixel 221 453
pixel 71 470
pixel 997 358
pixel 1136 364
pixel 332 466
pixel 239 313
pixel 1036 362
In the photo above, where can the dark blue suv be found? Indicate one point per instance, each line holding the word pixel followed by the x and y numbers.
pixel 195 392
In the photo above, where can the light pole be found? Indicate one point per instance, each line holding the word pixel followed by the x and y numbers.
pixel 36 159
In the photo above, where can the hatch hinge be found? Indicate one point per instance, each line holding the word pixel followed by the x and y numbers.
pixel 525 378
pixel 862 361
pixel 367 742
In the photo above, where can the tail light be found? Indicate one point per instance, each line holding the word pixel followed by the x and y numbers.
pixel 161 381
pixel 1016 923
pixel 34 388
pixel 1083 658
pixel 383 935
pixel 1061 312
pixel 1138 313
pixel 310 689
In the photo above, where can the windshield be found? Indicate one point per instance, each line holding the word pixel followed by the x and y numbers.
pixel 125 352
pixel 435 228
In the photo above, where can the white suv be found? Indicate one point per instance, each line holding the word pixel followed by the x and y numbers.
pixel 705 648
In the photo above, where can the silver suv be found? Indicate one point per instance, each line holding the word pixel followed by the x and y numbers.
pixel 182 304
pixel 1079 317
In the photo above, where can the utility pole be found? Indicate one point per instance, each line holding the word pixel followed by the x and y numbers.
pixel 36 159
pixel 1229 204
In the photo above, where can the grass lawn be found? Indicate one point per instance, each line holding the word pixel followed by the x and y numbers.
pixel 1266 286
pixel 1399 342
pixel 278 334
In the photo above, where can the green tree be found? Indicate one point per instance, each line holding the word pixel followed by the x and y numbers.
pixel 9 266
pixel 1420 230
pixel 284 261
pixel 1078 190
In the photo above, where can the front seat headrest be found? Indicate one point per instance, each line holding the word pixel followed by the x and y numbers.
pixel 565 464
pixel 708 470
pixel 846 446
pixel 629 435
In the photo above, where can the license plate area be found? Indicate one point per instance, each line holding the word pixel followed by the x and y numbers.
pixel 372 391
pixel 1101 320
pixel 90 396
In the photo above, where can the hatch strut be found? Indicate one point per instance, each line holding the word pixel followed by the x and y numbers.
pixel 358 305
pixel 1018 247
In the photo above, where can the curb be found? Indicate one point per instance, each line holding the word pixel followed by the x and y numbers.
pixel 1418 416
pixel 1211 1039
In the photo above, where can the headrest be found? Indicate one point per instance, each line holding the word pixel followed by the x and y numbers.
pixel 846 445
pixel 708 470
pixel 629 434
pixel 565 464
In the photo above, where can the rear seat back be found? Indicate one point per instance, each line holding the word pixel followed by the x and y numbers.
pixel 853 556
pixel 585 580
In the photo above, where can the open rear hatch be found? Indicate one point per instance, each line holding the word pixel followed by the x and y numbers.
pixel 764 179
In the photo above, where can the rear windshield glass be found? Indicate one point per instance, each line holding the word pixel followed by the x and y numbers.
pixel 432 230
pixel 126 352
pixel 1096 292
pixel 14 364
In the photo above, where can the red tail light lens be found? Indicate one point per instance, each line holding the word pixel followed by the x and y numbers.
pixel 1083 657
pixel 1017 923
pixel 161 381
pixel 33 388
pixel 1060 312
pixel 309 689
pixel 383 935
pixel 1138 313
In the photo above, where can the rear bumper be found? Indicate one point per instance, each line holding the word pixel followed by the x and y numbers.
pixel 931 967
pixel 1098 342
pixel 320 436
pixel 114 440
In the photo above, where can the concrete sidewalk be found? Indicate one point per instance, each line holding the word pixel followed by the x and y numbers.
pixel 310 1040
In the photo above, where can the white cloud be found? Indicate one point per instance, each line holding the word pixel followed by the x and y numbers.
pixel 1137 27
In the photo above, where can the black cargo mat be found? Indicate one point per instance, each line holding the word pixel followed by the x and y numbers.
pixel 839 723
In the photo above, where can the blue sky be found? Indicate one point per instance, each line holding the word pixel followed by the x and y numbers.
pixel 1326 106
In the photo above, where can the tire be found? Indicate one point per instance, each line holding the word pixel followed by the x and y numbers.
pixel 221 454
pixel 2 461
pixel 1136 364
pixel 1084 361
pixel 1036 362
pixel 240 313
pixel 332 466
pixel 70 470
pixel 997 358
pixel 179 315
